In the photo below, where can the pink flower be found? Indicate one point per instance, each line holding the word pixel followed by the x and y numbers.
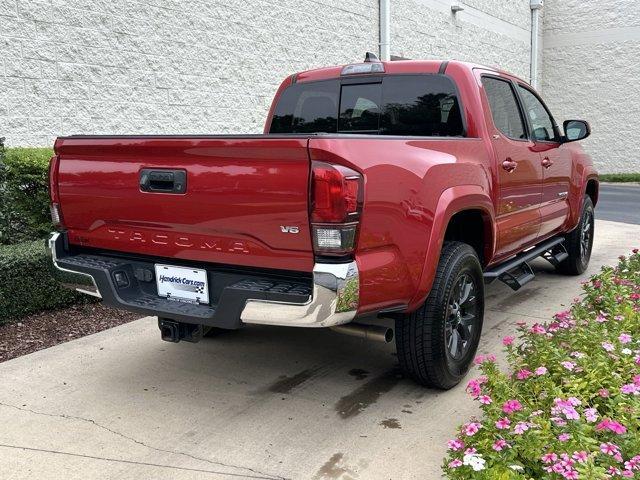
pixel 580 456
pixel 499 445
pixel 523 374
pixel 455 444
pixel 625 338
pixel 511 406
pixel 629 388
pixel 508 340
pixel 520 428
pixel 474 389
pixel 615 427
pixel 570 474
pixel 541 371
pixel 479 359
pixel 591 414
pixel 563 437
pixel 608 346
pixel 603 392
pixel 549 457
pixel 538 329
pixel 568 365
pixel 485 399
pixel 503 423
pixel 470 429
pixel 455 463
pixel 609 448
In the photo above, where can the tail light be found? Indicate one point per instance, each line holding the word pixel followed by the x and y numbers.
pixel 336 205
pixel 56 215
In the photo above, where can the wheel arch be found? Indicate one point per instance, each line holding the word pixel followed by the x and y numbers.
pixel 455 206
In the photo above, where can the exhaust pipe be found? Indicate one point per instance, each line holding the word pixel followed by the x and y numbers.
pixel 368 332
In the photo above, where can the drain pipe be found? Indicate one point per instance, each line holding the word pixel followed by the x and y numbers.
pixel 535 6
pixel 385 30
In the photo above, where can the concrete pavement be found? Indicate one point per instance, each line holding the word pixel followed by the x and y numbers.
pixel 264 402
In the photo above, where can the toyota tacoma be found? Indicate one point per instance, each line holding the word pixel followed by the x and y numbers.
pixel 377 190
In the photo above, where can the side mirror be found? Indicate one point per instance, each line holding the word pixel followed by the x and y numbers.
pixel 576 130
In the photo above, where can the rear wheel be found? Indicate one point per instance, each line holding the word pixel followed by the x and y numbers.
pixel 437 343
pixel 579 242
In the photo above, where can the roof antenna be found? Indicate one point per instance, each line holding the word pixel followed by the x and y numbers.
pixel 371 57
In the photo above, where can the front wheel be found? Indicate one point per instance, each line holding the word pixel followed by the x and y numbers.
pixel 579 242
pixel 437 343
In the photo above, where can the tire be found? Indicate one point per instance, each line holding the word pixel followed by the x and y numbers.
pixel 425 338
pixel 579 242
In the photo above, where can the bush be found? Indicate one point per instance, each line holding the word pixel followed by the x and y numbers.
pixel 24 198
pixel 571 406
pixel 27 284
pixel 620 177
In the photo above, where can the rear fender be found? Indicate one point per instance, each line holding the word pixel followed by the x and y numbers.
pixel 454 200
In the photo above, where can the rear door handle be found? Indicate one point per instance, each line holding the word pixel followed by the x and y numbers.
pixel 547 162
pixel 509 165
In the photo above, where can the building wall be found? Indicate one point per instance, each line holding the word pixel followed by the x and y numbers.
pixel 204 66
pixel 591 69
pixel 495 33
pixel 163 66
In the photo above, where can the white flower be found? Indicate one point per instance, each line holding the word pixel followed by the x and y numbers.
pixel 626 351
pixel 475 461
pixel 517 468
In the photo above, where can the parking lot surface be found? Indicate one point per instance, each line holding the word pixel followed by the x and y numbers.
pixel 263 402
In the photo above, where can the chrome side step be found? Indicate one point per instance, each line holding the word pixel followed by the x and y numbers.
pixel 517 272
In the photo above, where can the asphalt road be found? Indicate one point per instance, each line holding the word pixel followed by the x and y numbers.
pixel 263 402
pixel 619 203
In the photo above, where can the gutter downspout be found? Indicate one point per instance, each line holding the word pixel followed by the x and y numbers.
pixel 385 30
pixel 535 6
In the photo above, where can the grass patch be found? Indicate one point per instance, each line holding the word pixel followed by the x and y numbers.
pixel 620 177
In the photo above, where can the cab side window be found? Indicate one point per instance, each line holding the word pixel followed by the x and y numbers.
pixel 504 107
pixel 539 118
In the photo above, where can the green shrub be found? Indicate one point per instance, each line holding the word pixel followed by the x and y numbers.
pixel 570 406
pixel 27 284
pixel 620 177
pixel 24 207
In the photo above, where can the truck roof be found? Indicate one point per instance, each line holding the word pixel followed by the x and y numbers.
pixel 396 67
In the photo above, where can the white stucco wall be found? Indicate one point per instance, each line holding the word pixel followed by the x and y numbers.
pixel 202 66
pixel 495 33
pixel 163 66
pixel 591 67
pixel 199 66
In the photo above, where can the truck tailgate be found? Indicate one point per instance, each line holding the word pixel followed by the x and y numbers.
pixel 245 201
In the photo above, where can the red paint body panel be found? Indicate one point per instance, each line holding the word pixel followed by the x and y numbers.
pixel 239 192
pixel 242 189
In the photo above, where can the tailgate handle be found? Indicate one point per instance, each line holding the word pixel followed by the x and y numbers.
pixel 163 180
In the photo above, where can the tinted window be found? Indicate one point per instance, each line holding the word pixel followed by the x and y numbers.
pixel 307 108
pixel 504 107
pixel 360 108
pixel 539 118
pixel 420 105
pixel 423 105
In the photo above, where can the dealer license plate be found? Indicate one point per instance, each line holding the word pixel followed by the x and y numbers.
pixel 182 284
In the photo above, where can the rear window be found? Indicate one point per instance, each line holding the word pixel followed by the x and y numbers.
pixel 416 105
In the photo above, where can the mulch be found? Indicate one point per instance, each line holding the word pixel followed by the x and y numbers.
pixel 46 329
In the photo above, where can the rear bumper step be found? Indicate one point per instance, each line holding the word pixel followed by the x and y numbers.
pixel 517 271
pixel 330 298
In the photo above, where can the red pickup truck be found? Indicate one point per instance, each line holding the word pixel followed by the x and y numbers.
pixel 378 190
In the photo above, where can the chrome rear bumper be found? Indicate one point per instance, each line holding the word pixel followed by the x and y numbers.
pixel 334 298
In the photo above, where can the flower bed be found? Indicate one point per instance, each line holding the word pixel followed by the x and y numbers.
pixel 570 408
